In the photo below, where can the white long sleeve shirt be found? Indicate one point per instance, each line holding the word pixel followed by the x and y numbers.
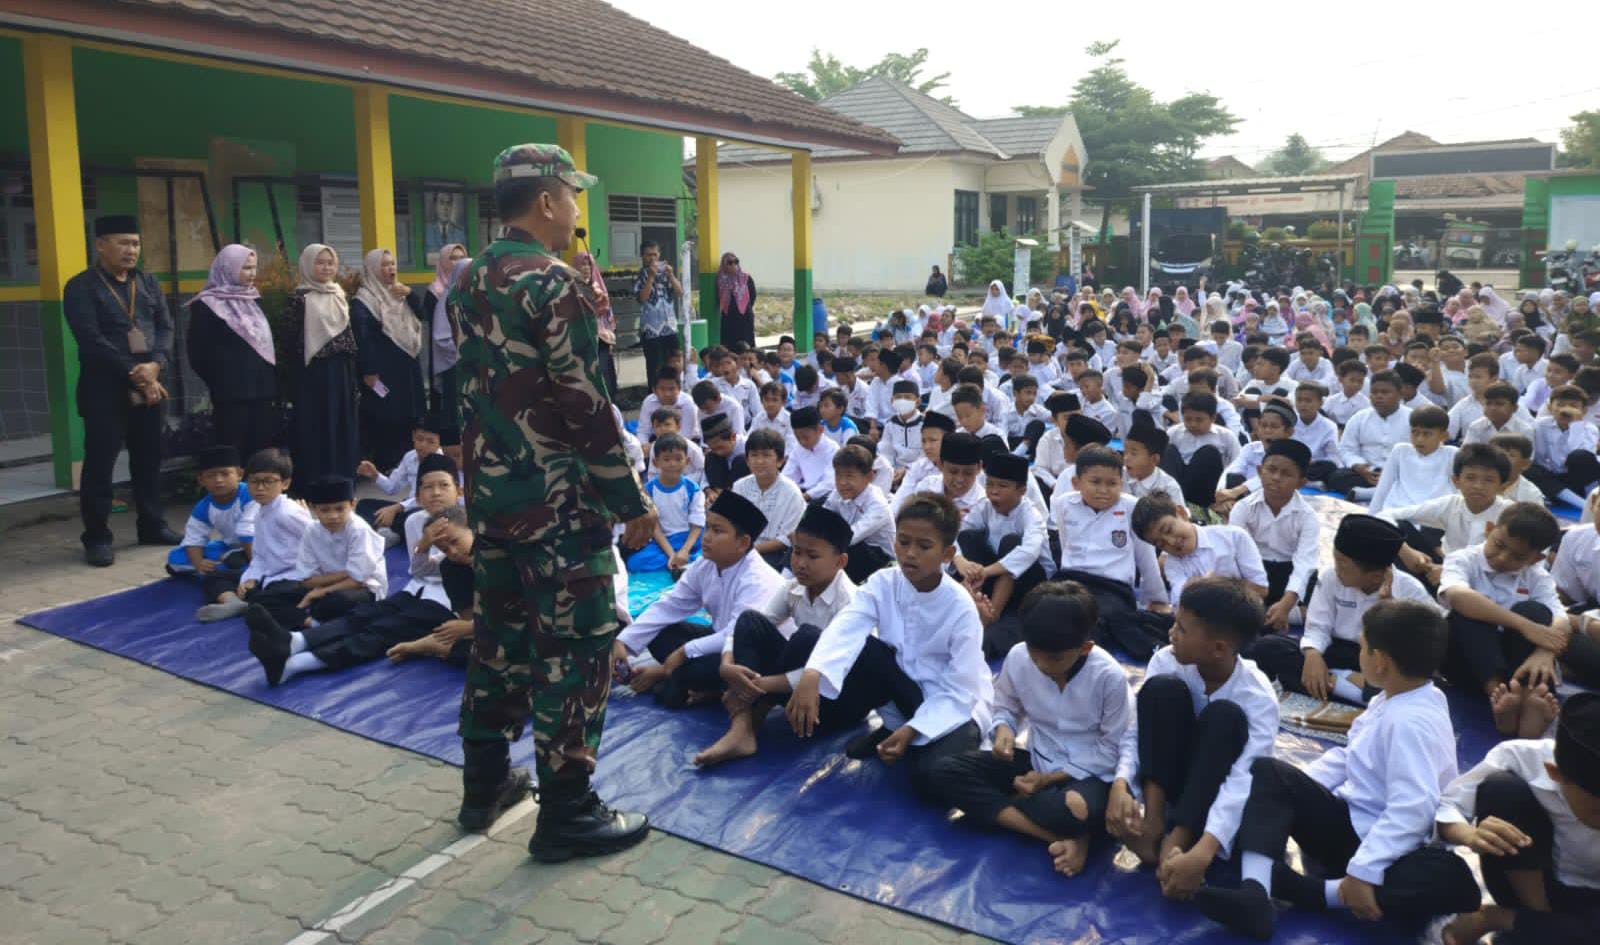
pixel 812 469
pixel 1463 413
pixel 1462 527
pixel 688 416
pixel 1246 464
pixel 1187 444
pixel 868 516
pixel 791 607
pixel 1322 374
pixel 402 479
pixel 1159 480
pixel 1024 521
pixel 426 581
pixel 1341 408
pixel 780 502
pixel 1577 845
pixel 1252 692
pixel 937 640
pixel 1049 462
pixel 934 482
pixel 1103 543
pixel 723 593
pixel 1368 438
pixel 1076 728
pixel 1468 568
pixel 1409 478
pixel 1321 437
pixel 1225 550
pixel 1552 445
pixel 355 549
pixel 1336 609
pixel 1289 534
pixel 1401 755
pixel 275 552
pixel 1483 429
pixel 1577 568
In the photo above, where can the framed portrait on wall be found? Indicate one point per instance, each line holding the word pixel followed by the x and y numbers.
pixel 444 218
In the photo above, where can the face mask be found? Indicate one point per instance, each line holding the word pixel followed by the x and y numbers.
pixel 905 406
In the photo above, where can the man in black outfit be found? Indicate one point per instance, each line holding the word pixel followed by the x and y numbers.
pixel 120 321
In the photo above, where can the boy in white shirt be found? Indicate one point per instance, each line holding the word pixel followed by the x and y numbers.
pixel 1319 433
pixel 222 525
pixel 1369 437
pixel 1363 812
pixel 935 426
pixel 280 523
pixel 1001 542
pixel 763 657
pixel 901 443
pixel 1049 459
pixel 1524 363
pixel 1202 717
pixel 1531 811
pixel 846 379
pixel 729 579
pixel 680 510
pixel 1071 700
pixel 1193 552
pixel 1507 623
pixel 1028 419
pixel 1093 402
pixel 1518 449
pixel 810 462
pixel 1284 528
pixel 1268 380
pixel 1142 448
pixel 1576 570
pixel 667 420
pixel 709 402
pixel 402 479
pixel 1419 470
pixel 666 392
pixel 773 415
pixel 865 508
pixel 1311 362
pixel 1351 396
pixel 1198 450
pixel 1498 414
pixel 958 478
pixel 1447 523
pixel 731 383
pixel 1564 462
pixel 1240 479
pixel 775 494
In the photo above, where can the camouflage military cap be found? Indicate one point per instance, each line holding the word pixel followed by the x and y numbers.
pixel 541 160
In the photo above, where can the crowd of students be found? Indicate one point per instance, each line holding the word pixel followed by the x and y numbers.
pixel 870 526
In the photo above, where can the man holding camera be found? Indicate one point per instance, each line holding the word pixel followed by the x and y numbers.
pixel 657 288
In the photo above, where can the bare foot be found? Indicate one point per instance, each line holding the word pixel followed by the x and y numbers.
pixel 1467 928
pixel 1505 701
pixel 1539 709
pixel 411 649
pixel 1357 680
pixel 738 742
pixel 1069 855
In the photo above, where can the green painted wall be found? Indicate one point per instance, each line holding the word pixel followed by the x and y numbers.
pixel 1574 185
pixel 631 162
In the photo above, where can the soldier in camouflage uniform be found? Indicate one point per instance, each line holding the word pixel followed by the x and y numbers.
pixel 546 478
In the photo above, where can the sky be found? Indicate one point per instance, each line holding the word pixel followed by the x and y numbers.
pixel 1360 74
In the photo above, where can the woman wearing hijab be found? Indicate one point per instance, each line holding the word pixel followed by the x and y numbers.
pixel 389 339
pixel 604 318
pixel 230 348
pixel 1493 304
pixel 1181 303
pixel 428 302
pixel 736 300
pixel 327 439
pixel 443 355
pixel 998 303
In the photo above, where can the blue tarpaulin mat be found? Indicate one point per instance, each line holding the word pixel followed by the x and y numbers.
pixel 799 807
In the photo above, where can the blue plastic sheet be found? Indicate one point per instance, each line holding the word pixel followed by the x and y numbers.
pixel 799 807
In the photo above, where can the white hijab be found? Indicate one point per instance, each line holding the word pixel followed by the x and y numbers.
pixel 327 309
pixel 402 327
pixel 997 305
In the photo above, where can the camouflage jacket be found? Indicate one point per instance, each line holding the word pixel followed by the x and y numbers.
pixel 542 450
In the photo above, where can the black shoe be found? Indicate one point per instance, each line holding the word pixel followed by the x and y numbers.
pixel 269 642
pixel 1247 910
pixel 1302 891
pixel 866 744
pixel 583 827
pixel 159 536
pixel 99 555
pixel 489 784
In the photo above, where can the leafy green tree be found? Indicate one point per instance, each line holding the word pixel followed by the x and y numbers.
pixel 1580 144
pixel 993 258
pixel 1296 158
pixel 825 75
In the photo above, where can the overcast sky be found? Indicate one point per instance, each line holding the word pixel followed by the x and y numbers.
pixel 1366 72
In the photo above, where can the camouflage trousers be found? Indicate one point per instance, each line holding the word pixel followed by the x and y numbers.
pixel 542 639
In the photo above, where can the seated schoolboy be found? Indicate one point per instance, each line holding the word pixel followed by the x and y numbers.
pixel 901 444
pixel 1519 450
pixel 910 645
pixel 666 392
pixel 1507 625
pixel 1268 380
pixel 1028 418
pixel 680 507
pixel 724 453
pixel 667 420
pixel 763 657
pixel 1369 437
pixel 1351 397
pixel 1093 401
pixel 1411 381
pixel 882 472
pixel 368 631
pixel 1098 549
pixel 935 426
pixel 1565 466
pixel 809 383
pixel 280 524
pixel 1284 528
pixel 448 531
pixel 773 415
pixel 729 579
pixel 1448 523
pixel 777 496
pixel 810 463
pixel 1202 716
pixel 1049 456
pixel 1193 551
pixel 1240 479
pixel 1325 662
pixel 1316 431
pixel 1531 811
pixel 1311 362
pixel 836 426
pixel 1071 701
pixel 339 567
pixel 1418 470
pixel 1142 447
pixel 1499 414
pixel 967 400
pixel 1483 370
pixel 1576 569
pixel 221 527
pixel 1364 813
pixel 957 479
pixel 401 483
pixel 1001 543
pixel 864 507
pixel 1198 450
pixel 709 402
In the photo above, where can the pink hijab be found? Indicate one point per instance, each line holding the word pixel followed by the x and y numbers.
pixel 237 305
pixel 1181 301
pixel 732 284
pixel 440 287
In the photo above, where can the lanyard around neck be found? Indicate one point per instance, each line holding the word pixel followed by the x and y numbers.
pixel 133 293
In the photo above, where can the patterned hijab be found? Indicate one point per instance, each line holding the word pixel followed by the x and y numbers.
pixel 732 284
pixel 237 305
pixel 327 309
pixel 394 314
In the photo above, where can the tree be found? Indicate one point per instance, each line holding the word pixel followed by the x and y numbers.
pixel 1132 138
pixel 1296 158
pixel 825 75
pixel 1580 144
pixel 994 258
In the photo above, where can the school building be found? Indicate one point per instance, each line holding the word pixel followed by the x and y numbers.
pixel 259 122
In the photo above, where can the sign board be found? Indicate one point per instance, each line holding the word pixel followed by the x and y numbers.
pixel 1244 205
pixel 341 224
pixel 1020 270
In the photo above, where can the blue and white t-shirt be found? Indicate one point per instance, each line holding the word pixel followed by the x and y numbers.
pixel 234 523
pixel 679 507
pixel 657 316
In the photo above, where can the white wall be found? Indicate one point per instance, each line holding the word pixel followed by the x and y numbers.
pixel 881 225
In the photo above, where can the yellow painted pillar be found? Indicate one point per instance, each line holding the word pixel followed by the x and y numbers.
pixel 572 133
pixel 800 183
pixel 710 254
pixel 374 170
pixel 58 218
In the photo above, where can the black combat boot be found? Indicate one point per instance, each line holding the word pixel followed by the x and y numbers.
pixel 573 821
pixel 489 784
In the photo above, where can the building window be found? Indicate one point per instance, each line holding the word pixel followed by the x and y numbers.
pixel 634 219
pixel 489 225
pixel 997 213
pixel 966 218
pixel 329 212
pixel 1027 215
pixel 19 235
